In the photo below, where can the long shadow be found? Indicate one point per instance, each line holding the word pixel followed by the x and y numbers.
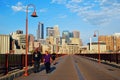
pixel 52 69
pixel 42 68
pixel 55 63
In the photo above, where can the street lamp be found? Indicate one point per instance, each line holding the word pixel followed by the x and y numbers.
pixel 98 45
pixel 26 56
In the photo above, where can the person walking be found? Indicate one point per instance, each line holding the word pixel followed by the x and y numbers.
pixel 37 56
pixel 53 58
pixel 47 60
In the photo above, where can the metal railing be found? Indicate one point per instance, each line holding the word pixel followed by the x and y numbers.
pixel 10 62
pixel 111 57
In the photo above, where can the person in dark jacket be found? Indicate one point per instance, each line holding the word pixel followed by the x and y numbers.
pixel 36 58
pixel 53 58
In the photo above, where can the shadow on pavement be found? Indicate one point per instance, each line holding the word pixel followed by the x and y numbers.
pixel 55 63
pixel 52 69
pixel 42 68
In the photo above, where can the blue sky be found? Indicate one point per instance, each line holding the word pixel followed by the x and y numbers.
pixel 83 15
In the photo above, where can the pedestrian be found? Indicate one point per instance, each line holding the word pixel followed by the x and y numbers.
pixel 53 58
pixel 47 61
pixel 37 56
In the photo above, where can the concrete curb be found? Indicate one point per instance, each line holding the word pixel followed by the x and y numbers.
pixel 113 64
pixel 11 76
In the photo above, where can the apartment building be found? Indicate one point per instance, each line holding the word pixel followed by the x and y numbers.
pixel 112 42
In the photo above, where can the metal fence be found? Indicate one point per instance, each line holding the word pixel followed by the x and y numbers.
pixel 9 62
pixel 112 57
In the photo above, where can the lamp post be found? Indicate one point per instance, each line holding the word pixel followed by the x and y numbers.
pixel 98 45
pixel 26 56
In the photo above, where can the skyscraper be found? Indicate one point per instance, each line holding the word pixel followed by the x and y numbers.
pixel 65 35
pixel 40 31
pixel 50 31
pixel 56 31
pixel 71 34
pixel 76 34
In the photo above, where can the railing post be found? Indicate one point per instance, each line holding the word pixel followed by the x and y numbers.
pixel 20 65
pixel 116 58
pixel 23 60
pixel 30 59
pixel 110 58
pixel 6 63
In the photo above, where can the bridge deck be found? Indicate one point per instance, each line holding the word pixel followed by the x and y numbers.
pixel 71 67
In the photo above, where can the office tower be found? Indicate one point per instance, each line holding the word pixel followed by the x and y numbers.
pixel 65 35
pixel 50 31
pixel 71 34
pixel 40 31
pixel 56 31
pixel 76 34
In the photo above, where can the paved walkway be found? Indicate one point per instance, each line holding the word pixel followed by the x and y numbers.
pixel 63 70
pixel 92 70
pixel 72 67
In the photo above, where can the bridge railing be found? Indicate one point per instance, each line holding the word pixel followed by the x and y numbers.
pixel 10 62
pixel 111 57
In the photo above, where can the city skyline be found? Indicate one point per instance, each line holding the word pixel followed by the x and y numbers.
pixel 83 15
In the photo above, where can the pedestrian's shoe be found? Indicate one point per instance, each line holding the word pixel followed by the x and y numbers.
pixel 35 71
pixel 47 72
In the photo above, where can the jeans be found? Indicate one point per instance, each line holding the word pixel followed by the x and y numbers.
pixel 47 67
pixel 36 66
